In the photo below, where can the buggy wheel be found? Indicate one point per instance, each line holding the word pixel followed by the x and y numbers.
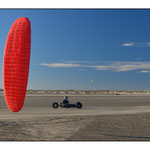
pixel 79 105
pixel 55 105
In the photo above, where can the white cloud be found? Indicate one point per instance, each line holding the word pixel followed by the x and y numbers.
pixel 128 44
pixel 124 66
pixel 144 71
pixel 80 62
pixel 60 65
pixel 116 66
pixel 81 69
pixel 148 44
pixel 137 44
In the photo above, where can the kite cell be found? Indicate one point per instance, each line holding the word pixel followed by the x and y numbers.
pixel 16 63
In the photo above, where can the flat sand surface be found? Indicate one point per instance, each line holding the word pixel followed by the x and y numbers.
pixel 102 118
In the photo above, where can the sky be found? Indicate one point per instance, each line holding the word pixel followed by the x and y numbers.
pixel 70 48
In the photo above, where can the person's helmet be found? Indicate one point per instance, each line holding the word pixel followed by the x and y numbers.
pixel 66 97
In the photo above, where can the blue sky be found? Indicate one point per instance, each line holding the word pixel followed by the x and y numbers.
pixel 70 48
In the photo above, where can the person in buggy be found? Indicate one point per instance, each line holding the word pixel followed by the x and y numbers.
pixel 65 101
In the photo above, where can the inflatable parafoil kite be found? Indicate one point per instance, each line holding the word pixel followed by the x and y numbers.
pixel 16 63
pixel 92 81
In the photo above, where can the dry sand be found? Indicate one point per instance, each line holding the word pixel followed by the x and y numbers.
pixel 103 118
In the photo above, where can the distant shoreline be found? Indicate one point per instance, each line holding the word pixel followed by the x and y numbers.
pixel 83 93
pixel 92 95
pixel 88 92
